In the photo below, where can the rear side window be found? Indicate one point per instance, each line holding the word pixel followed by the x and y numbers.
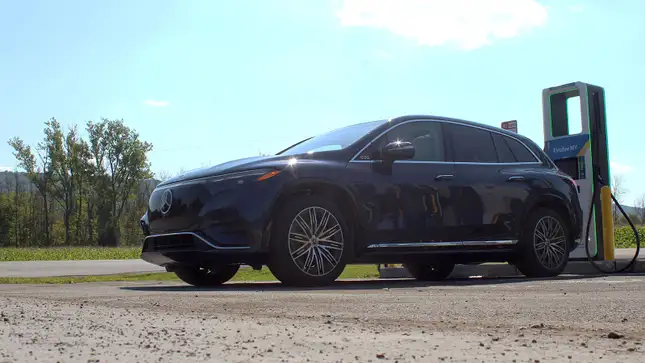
pixel 470 144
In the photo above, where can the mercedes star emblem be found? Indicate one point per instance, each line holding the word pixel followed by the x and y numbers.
pixel 166 201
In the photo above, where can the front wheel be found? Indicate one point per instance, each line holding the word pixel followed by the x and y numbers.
pixel 544 245
pixel 311 242
pixel 201 277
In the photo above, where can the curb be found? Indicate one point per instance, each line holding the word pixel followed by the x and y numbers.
pixel 506 270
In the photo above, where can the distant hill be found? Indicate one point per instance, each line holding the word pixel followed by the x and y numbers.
pixel 629 209
pixel 8 182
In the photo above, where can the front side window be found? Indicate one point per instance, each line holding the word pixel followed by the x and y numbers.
pixel 471 144
pixel 426 136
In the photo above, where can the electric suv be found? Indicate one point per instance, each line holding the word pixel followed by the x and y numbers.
pixel 423 191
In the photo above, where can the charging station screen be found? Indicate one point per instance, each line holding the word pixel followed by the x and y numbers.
pixel 568 166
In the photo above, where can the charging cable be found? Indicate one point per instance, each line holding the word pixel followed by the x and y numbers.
pixel 600 181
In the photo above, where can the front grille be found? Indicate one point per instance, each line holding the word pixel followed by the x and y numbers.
pixel 172 242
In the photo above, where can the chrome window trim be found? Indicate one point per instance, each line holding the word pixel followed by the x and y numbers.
pixel 193 234
pixel 353 159
pixel 449 162
pixel 444 244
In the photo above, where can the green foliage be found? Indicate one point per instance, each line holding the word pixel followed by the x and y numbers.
pixel 76 192
pixel 624 237
pixel 69 253
pixel 120 164
pixel 6 218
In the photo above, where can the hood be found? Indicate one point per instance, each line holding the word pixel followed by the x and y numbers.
pixel 232 166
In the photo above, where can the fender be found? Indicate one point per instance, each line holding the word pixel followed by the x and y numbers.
pixel 308 185
pixel 546 199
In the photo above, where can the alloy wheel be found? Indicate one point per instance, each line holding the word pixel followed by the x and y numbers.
pixel 550 242
pixel 316 241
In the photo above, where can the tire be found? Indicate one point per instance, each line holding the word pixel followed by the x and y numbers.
pixel 532 258
pixel 318 258
pixel 430 272
pixel 205 277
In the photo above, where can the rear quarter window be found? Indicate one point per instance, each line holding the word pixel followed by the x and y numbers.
pixel 521 153
pixel 510 150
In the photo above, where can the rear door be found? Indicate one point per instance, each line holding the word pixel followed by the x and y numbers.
pixel 517 166
pixel 488 188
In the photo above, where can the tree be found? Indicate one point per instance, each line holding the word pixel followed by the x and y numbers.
pixel 6 219
pixel 97 187
pixel 163 175
pixel 618 190
pixel 65 164
pixel 38 174
pixel 119 161
pixel 640 208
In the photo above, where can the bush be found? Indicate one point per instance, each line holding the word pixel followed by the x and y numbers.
pixel 624 237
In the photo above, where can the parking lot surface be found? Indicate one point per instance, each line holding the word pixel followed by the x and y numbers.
pixel 516 319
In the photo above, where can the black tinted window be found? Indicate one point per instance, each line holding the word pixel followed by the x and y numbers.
pixel 504 152
pixel 470 144
pixel 522 154
pixel 426 136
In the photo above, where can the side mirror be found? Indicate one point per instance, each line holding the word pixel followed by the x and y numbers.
pixel 398 150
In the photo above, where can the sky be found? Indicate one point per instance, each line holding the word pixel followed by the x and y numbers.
pixel 210 81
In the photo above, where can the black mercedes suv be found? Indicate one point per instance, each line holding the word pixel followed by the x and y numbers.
pixel 427 192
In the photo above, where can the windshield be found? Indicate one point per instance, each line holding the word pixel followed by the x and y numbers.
pixel 333 140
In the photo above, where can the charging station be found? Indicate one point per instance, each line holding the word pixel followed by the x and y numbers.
pixel 584 156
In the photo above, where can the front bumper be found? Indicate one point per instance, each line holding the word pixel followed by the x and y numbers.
pixel 223 215
pixel 191 249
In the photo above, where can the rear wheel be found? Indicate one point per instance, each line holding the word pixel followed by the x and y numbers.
pixel 310 243
pixel 202 277
pixel 435 271
pixel 544 246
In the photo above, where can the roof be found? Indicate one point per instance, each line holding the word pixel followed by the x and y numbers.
pixel 465 122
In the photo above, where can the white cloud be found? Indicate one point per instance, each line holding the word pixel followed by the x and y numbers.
pixel 617 168
pixel 470 24
pixel 154 103
pixel 5 168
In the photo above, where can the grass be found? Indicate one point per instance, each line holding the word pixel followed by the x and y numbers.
pixel 69 253
pixel 244 275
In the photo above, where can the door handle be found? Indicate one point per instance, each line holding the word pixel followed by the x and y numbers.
pixel 444 177
pixel 516 178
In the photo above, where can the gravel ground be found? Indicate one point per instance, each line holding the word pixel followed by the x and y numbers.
pixel 514 320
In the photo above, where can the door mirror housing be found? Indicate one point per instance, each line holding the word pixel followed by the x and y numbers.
pixel 398 150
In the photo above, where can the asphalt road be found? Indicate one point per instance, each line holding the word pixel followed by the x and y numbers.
pixel 514 320
pixel 108 267
pixel 74 268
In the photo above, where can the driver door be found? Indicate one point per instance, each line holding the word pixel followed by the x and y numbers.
pixel 410 201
